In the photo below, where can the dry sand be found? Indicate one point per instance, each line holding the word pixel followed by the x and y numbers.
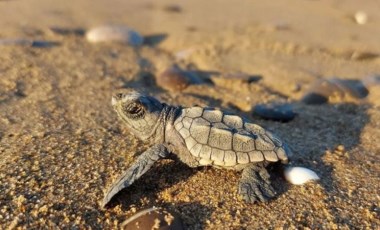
pixel 61 144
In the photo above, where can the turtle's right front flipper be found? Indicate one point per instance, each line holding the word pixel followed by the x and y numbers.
pixel 142 164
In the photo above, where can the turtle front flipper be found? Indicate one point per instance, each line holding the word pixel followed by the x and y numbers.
pixel 254 185
pixel 142 164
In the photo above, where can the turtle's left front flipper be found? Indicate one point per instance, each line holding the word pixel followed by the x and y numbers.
pixel 142 164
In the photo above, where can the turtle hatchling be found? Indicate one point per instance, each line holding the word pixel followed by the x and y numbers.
pixel 199 137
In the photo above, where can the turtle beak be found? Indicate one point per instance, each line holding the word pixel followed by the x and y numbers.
pixel 115 98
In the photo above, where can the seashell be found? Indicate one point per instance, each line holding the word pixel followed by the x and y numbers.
pixel 114 33
pixel 153 218
pixel 299 175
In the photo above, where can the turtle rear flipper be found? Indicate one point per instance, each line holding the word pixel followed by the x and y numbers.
pixel 142 164
pixel 254 185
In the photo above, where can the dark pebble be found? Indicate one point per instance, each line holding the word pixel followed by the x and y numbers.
pixel 314 99
pixel 282 113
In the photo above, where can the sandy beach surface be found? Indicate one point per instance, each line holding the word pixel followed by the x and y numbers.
pixel 62 145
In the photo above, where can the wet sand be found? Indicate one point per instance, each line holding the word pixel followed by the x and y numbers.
pixel 61 143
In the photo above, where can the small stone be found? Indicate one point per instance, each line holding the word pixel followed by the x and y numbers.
pixel 314 99
pixel 361 17
pixel 153 218
pixel 114 33
pixel 283 113
pixel 173 79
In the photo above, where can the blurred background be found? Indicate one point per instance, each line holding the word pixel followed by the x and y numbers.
pixel 307 70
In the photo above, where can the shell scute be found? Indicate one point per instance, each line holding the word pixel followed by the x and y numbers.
pixel 227 140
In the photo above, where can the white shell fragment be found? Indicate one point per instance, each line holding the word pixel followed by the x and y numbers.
pixel 299 175
pixel 361 17
pixel 114 33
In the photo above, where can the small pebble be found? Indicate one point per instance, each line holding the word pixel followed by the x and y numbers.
pixel 361 17
pixel 314 99
pixel 114 33
pixel 299 175
pixel 173 79
pixel 282 113
pixel 153 218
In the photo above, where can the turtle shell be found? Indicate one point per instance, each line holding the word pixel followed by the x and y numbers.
pixel 222 139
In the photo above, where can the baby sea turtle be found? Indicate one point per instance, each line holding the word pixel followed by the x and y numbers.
pixel 199 137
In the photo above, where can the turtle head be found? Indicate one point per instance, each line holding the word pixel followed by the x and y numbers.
pixel 139 112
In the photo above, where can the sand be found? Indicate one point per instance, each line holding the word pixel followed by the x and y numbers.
pixel 61 143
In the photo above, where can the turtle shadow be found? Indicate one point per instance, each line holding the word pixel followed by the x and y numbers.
pixel 143 191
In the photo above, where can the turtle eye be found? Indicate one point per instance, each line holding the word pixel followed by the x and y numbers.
pixel 134 110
